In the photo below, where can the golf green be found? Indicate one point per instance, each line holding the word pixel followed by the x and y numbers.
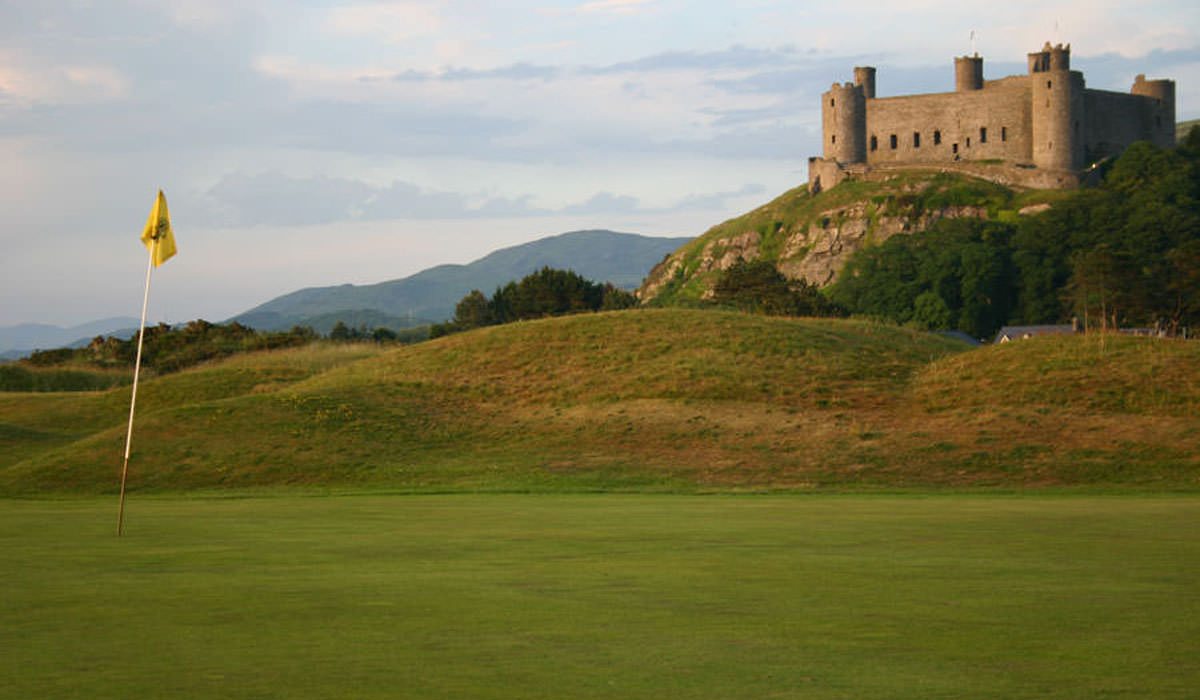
pixel 602 596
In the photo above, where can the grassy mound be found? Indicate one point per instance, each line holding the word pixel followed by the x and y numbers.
pixel 658 399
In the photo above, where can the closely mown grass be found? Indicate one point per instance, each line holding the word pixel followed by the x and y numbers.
pixel 508 596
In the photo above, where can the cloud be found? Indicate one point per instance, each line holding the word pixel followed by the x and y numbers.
pixel 717 200
pixel 274 199
pixel 623 7
pixel 735 58
pixel 604 202
pixel 515 71
pixel 394 21
pixel 277 199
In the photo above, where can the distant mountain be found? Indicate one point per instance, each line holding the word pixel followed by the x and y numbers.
pixel 428 296
pixel 19 340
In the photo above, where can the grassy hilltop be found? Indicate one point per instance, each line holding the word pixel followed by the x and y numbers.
pixel 663 399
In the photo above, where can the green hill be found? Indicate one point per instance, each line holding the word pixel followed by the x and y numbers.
pixel 659 399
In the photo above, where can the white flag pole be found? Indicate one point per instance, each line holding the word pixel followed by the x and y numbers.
pixel 137 366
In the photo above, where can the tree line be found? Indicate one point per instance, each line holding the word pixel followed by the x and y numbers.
pixel 167 348
pixel 547 292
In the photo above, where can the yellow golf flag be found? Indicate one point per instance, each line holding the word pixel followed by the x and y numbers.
pixel 158 236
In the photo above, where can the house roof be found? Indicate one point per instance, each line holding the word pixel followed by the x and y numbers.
pixel 1018 332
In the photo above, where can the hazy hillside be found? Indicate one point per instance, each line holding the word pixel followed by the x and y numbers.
pixel 602 256
pixel 639 400
pixel 40 336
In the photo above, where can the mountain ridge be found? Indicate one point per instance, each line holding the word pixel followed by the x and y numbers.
pixel 22 338
pixel 431 294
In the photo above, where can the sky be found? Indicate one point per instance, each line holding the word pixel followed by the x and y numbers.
pixel 316 143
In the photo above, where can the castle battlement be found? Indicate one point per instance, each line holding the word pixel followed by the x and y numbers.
pixel 1046 121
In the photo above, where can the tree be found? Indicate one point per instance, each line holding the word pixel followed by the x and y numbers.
pixel 931 313
pixel 473 311
pixel 759 287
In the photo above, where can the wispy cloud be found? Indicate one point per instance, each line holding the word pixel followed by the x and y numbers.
pixel 275 199
pixel 623 7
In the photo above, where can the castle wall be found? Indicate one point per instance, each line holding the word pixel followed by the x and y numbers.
pixel 946 122
pixel 1115 120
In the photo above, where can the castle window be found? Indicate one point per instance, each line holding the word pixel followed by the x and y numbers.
pixel 894 142
pixel 1158 120
pixel 831 101
pixel 968 142
pixel 833 139
pixel 874 143
pixel 916 139
pixel 954 149
pixel 983 134
pixel 937 138
pixel 1004 133
pixel 1048 84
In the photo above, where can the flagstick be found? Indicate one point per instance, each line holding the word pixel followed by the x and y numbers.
pixel 137 366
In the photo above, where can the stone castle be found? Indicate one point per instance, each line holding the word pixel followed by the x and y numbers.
pixel 1043 129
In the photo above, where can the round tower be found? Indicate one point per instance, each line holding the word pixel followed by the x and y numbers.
pixel 1060 57
pixel 1057 110
pixel 968 73
pixel 864 76
pixel 844 123
pixel 1160 109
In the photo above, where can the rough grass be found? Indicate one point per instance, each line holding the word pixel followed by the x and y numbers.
pixel 509 596
pixel 648 400
pixel 17 377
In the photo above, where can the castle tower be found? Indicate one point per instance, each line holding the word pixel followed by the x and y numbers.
pixel 968 73
pixel 1160 116
pixel 864 76
pixel 844 122
pixel 1057 109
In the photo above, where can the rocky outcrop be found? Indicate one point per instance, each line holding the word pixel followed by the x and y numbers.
pixel 818 252
pixel 812 236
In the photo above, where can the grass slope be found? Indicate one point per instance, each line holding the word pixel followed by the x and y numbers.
pixel 662 399
pixel 613 596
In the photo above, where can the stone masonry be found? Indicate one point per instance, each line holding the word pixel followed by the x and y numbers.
pixel 1045 128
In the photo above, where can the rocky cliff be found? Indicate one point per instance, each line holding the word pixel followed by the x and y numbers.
pixel 811 237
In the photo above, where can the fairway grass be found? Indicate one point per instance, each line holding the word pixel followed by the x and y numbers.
pixel 602 596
